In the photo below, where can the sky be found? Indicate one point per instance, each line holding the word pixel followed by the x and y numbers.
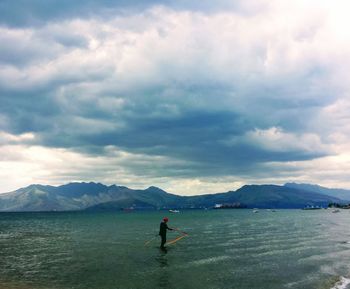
pixel 194 97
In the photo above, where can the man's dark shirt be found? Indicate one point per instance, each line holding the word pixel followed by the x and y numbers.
pixel 162 229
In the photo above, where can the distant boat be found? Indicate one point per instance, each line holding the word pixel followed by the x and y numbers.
pixel 128 210
pixel 255 211
pixel 236 205
pixel 312 208
pixel 336 211
pixel 174 211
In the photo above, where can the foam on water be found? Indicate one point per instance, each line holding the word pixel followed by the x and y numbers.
pixel 342 283
pixel 211 260
pixel 206 261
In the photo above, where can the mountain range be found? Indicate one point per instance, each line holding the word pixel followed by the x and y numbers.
pixel 98 197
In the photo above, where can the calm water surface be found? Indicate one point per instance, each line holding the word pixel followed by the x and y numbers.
pixel 224 249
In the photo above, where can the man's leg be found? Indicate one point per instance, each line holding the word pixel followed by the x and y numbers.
pixel 163 242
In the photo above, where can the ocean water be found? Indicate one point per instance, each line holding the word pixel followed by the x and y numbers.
pixel 223 249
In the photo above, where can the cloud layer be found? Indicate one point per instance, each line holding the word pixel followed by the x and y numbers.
pixel 194 98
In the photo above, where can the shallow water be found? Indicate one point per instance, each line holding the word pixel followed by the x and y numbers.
pixel 224 249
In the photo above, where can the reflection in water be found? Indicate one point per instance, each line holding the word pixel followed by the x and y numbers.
pixel 164 250
pixel 163 281
pixel 162 258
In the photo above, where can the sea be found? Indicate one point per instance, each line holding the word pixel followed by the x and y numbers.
pixel 300 249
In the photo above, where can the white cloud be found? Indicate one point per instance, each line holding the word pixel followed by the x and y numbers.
pixel 11 138
pixel 275 139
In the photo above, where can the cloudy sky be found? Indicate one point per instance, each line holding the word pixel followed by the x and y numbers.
pixel 191 96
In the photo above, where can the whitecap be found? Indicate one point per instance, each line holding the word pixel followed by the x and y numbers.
pixel 342 283
pixel 206 261
pixel 211 260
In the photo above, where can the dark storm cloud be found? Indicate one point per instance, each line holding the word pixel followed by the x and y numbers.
pixel 194 135
pixel 197 136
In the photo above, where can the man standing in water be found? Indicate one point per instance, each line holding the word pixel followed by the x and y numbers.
pixel 162 232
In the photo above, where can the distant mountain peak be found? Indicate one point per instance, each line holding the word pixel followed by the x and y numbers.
pixel 339 193
pixel 303 184
pixel 153 188
pixel 35 186
pixel 83 183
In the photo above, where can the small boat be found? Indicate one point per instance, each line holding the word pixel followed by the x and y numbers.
pixel 174 211
pixel 312 208
pixel 270 210
pixel 336 211
pixel 128 210
pixel 255 211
